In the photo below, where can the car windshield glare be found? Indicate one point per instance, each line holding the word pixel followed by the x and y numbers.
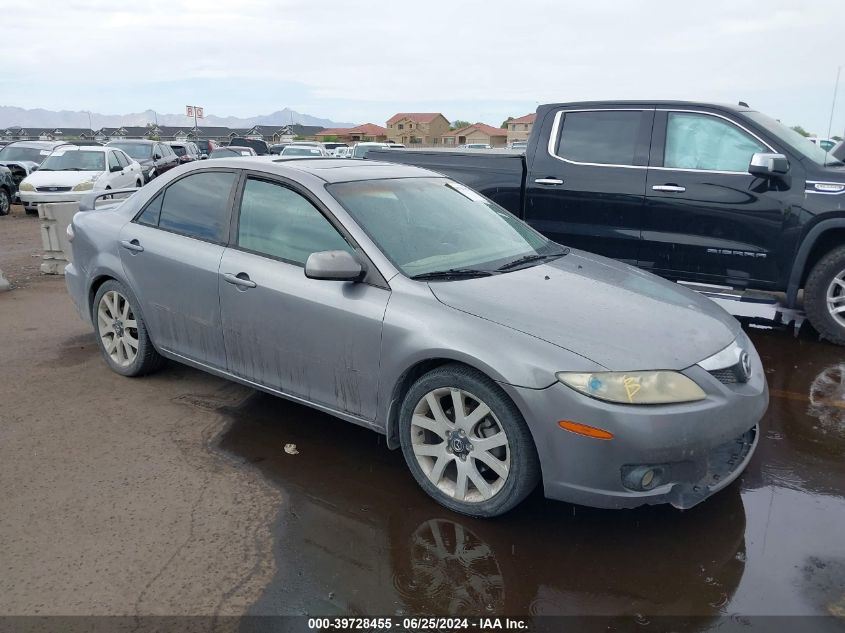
pixel 77 160
pixel 135 150
pixel 12 153
pixel 301 151
pixel 794 140
pixel 432 225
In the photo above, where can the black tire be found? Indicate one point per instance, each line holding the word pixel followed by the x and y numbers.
pixel 524 470
pixel 5 202
pixel 816 289
pixel 147 359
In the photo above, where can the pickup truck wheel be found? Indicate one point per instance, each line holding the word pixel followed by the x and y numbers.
pixel 121 332
pixel 466 442
pixel 824 296
pixel 5 202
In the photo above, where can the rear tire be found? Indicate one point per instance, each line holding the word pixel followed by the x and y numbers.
pixel 5 202
pixel 824 296
pixel 121 332
pixel 480 460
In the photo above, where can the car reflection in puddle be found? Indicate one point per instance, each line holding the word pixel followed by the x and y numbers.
pixel 355 535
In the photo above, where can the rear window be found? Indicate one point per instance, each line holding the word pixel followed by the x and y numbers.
pixel 606 137
pixel 198 206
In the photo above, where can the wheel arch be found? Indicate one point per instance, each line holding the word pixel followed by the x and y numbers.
pixel 408 378
pixel 820 239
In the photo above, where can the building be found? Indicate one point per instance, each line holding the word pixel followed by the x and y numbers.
pixel 363 132
pixel 476 133
pixel 411 128
pixel 66 133
pixel 18 133
pixel 520 129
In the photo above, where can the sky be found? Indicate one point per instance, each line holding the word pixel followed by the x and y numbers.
pixel 364 60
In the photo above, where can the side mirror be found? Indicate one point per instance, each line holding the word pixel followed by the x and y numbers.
pixel 156 156
pixel 34 168
pixel 768 165
pixel 203 156
pixel 115 168
pixel 333 265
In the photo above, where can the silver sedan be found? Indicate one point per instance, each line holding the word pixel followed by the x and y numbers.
pixel 405 302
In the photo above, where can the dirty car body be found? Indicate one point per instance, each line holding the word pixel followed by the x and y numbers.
pixel 552 335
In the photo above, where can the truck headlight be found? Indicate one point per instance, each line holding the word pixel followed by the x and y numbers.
pixel 84 186
pixel 634 387
pixel 26 186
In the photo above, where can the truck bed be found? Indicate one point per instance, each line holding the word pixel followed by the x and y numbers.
pixel 499 174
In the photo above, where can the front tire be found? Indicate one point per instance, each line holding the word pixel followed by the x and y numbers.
pixel 466 442
pixel 824 296
pixel 5 202
pixel 121 332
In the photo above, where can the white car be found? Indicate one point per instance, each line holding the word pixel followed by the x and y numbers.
pixel 70 172
pixel 303 150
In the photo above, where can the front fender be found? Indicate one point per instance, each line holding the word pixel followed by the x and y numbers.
pixel 800 262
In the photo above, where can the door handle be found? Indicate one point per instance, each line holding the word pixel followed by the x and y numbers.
pixel 241 280
pixel 548 181
pixel 672 188
pixel 133 246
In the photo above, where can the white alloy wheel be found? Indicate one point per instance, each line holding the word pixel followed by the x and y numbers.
pixel 118 329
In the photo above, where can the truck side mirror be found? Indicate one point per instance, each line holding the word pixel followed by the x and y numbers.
pixel 767 165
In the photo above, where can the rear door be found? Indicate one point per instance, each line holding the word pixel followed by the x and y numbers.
pixel 315 339
pixel 586 188
pixel 706 218
pixel 171 255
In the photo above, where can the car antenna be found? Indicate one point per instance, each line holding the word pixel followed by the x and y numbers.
pixel 832 106
pixel 743 104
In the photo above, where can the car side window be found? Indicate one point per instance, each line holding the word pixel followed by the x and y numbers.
pixel 701 141
pixel 113 162
pixel 279 222
pixel 121 158
pixel 606 137
pixel 150 215
pixel 198 206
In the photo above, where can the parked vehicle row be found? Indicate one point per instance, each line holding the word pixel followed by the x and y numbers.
pixel 155 157
pixel 23 157
pixel 694 192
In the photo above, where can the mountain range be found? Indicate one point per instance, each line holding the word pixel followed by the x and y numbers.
pixel 38 117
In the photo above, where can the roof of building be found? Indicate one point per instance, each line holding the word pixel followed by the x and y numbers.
pixel 528 118
pixel 489 130
pixel 416 117
pixel 365 129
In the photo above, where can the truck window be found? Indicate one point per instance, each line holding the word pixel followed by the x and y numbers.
pixel 606 137
pixel 701 141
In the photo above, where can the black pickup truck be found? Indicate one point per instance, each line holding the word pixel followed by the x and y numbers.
pixel 702 193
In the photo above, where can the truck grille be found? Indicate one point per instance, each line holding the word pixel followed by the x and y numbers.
pixel 53 189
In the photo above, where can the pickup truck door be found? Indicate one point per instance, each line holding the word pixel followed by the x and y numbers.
pixel 706 218
pixel 586 185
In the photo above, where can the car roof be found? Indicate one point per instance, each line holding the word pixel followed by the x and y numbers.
pixel 646 103
pixel 329 170
pixel 86 148
pixel 39 144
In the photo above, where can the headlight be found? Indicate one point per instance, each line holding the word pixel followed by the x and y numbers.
pixel 84 186
pixel 634 387
pixel 152 172
pixel 26 186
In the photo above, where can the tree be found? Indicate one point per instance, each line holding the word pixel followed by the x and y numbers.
pixel 504 124
pixel 457 124
pixel 800 130
pixel 331 138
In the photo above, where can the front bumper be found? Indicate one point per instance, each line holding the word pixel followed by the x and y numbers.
pixel 696 449
pixel 31 198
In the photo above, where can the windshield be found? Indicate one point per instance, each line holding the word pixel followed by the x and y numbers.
pixel 179 149
pixel 77 160
pixel 301 151
pixel 135 150
pixel 430 225
pixel 794 140
pixel 10 152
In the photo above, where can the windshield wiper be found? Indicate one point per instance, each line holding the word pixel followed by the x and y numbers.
pixel 536 257
pixel 452 272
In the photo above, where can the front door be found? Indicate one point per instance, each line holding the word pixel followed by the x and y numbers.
pixel 171 255
pixel 587 188
pixel 706 218
pixel 314 339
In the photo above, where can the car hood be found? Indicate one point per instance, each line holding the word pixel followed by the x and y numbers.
pixel 60 178
pixel 613 314
pixel 26 164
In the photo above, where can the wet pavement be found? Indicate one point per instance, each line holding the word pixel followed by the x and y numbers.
pixel 355 535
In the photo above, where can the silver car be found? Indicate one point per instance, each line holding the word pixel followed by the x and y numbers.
pixel 407 303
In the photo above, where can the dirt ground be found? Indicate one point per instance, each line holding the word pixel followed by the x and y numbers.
pixel 173 494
